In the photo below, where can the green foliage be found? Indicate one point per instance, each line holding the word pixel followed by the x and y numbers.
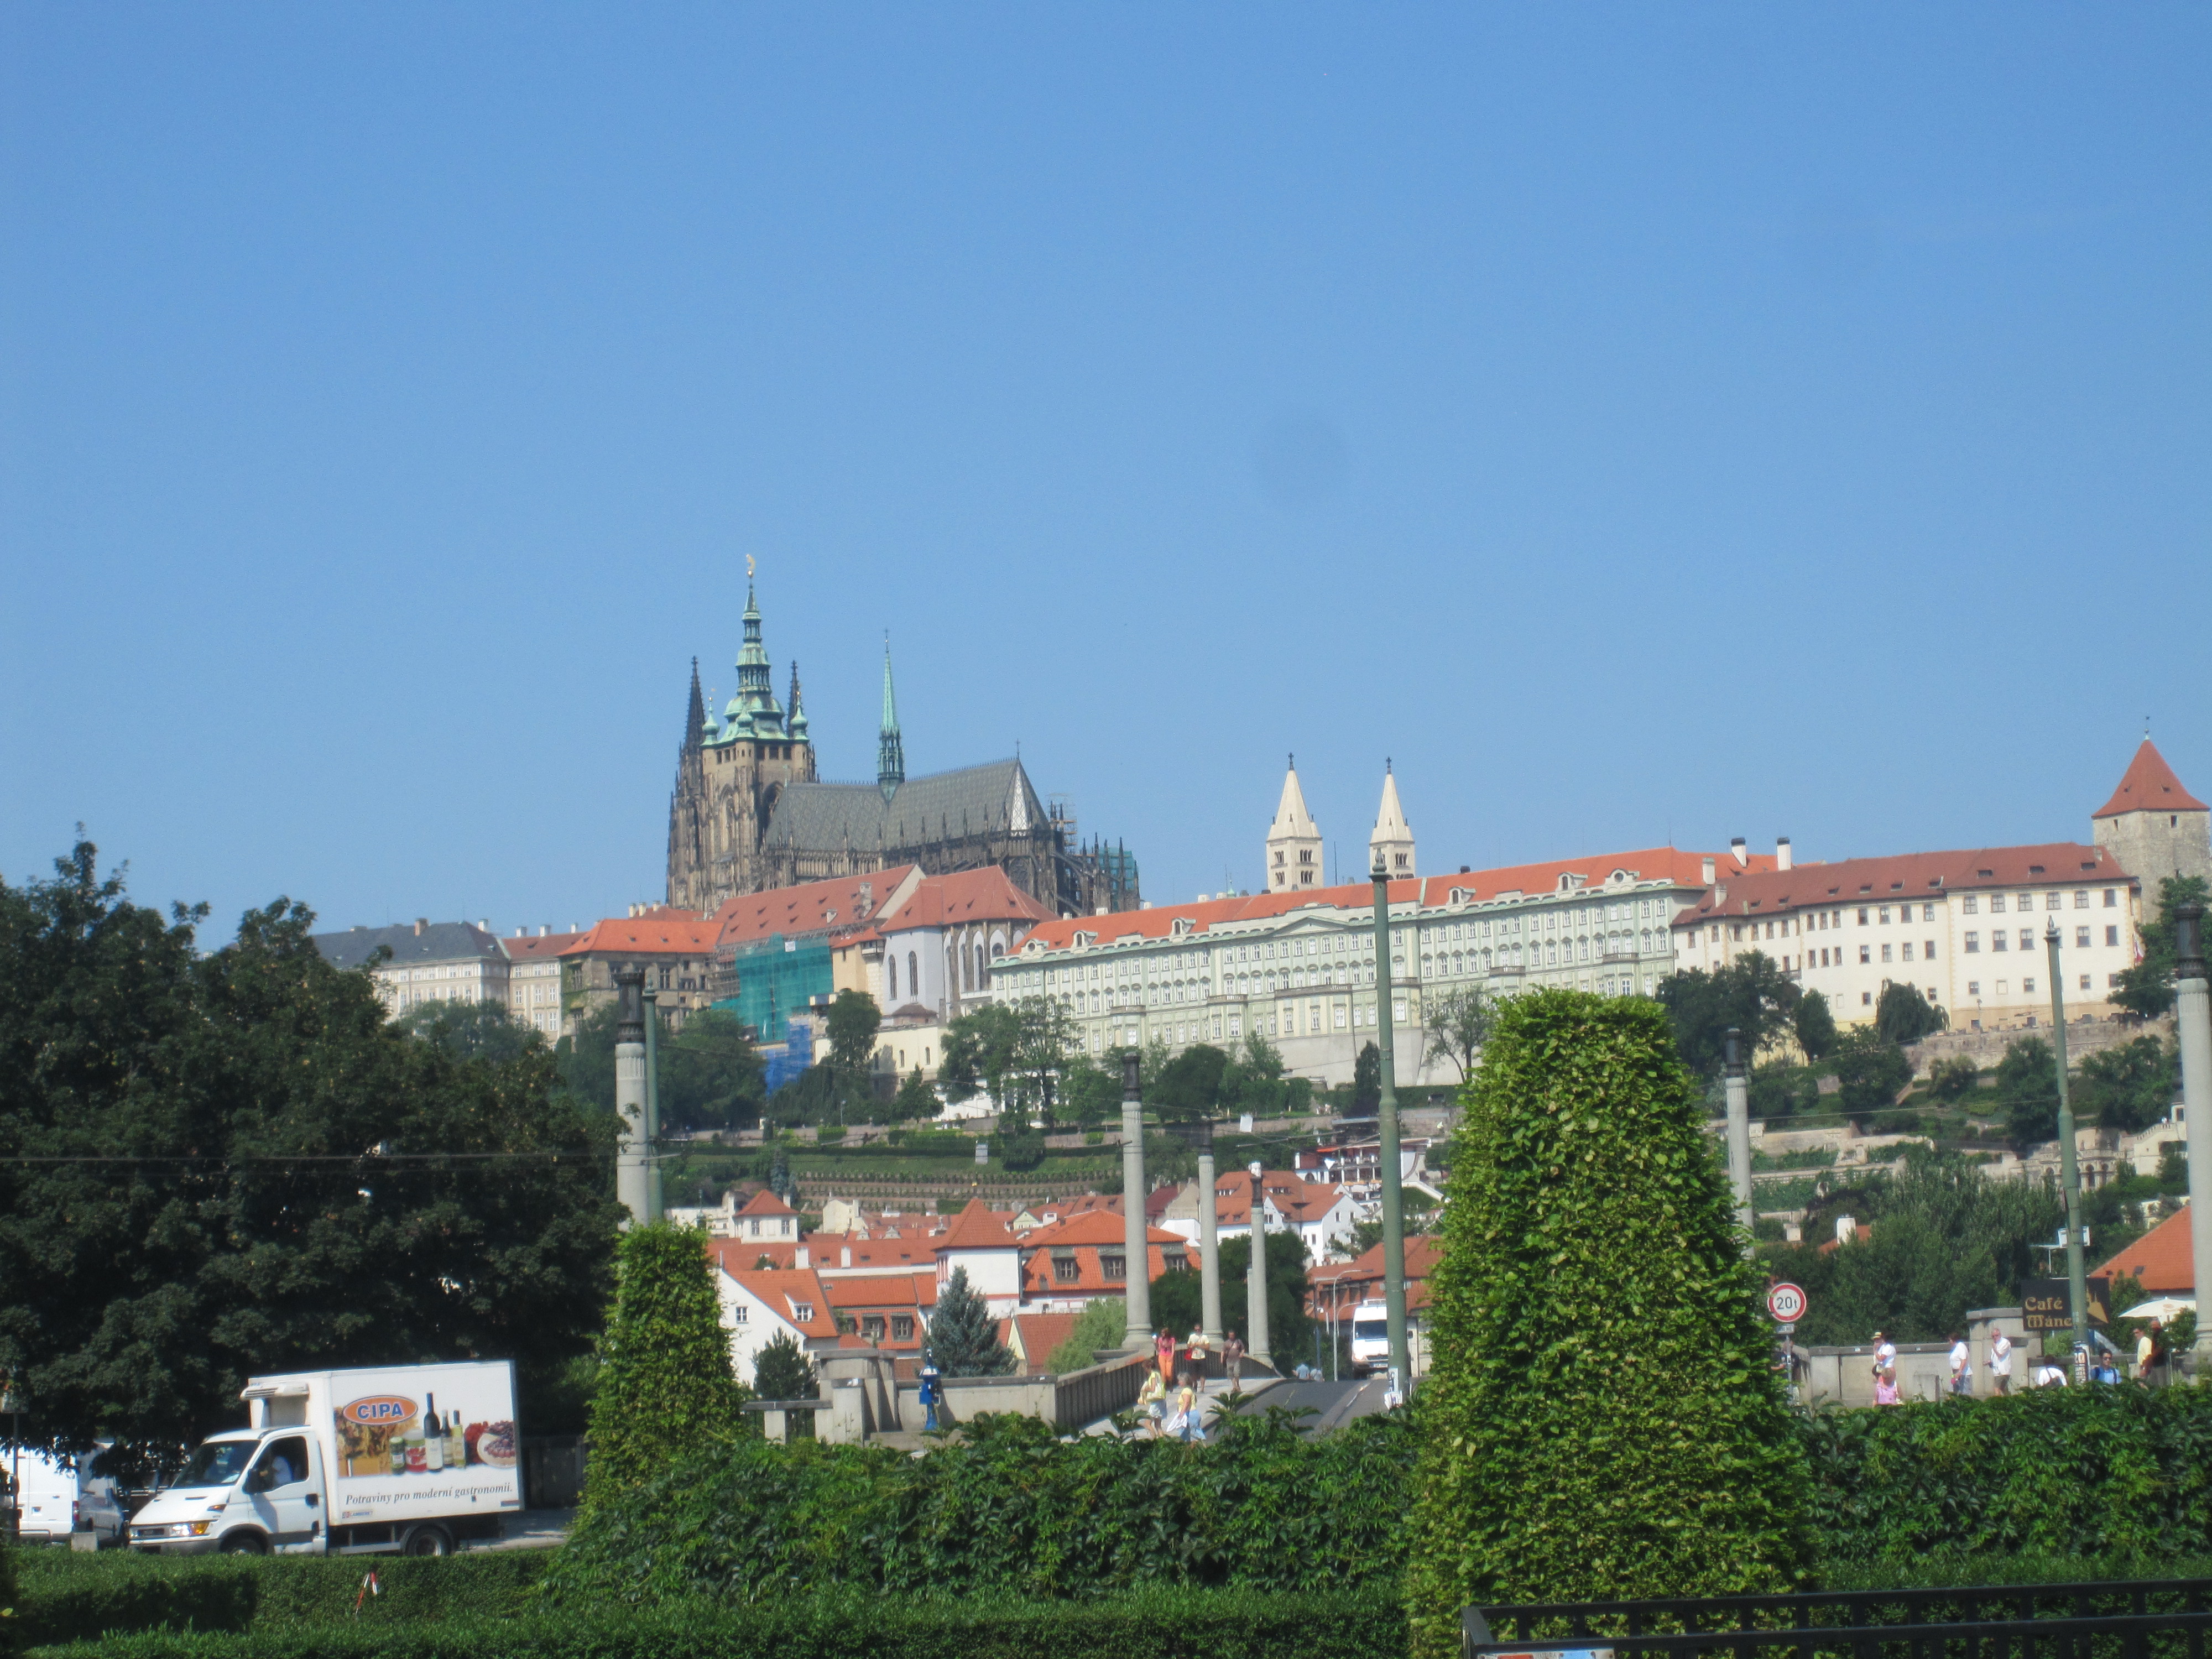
pixel 2128 1087
pixel 1019 1149
pixel 1367 1079
pixel 1253 1082
pixel 2027 1088
pixel 2147 987
pixel 1102 1324
pixel 1189 1085
pixel 1088 1093
pixel 916 1101
pixel 1220 1624
pixel 1601 1421
pixel 852 1022
pixel 782 1370
pixel 665 1384
pixel 710 1073
pixel 1954 1078
pixel 1011 1511
pixel 1780 1091
pixel 1752 993
pixel 1177 1297
pixel 1903 1014
pixel 1814 1025
pixel 470 1030
pixel 979 1053
pixel 67 1597
pixel 257 1231
pixel 963 1336
pixel 1460 1021
pixel 1872 1070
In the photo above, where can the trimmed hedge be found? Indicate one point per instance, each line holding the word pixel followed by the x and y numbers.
pixel 1154 1624
pixel 1011 1512
pixel 66 1597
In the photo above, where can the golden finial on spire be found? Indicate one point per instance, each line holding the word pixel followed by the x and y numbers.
pixel 748 567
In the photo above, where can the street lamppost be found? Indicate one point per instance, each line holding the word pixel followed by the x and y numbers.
pixel 653 1207
pixel 1137 1334
pixel 2069 1175
pixel 1737 1092
pixel 1394 1204
pixel 633 1184
pixel 2192 1018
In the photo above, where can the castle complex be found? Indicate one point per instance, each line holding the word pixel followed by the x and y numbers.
pixel 749 811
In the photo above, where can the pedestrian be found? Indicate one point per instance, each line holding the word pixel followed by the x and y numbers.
pixel 1164 1349
pixel 1884 1354
pixel 1197 1348
pixel 1187 1404
pixel 1962 1366
pixel 1884 1389
pixel 2001 1361
pixel 2146 1354
pixel 1152 1401
pixel 1232 1361
pixel 932 1391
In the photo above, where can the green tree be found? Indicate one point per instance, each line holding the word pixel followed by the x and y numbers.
pixel 1871 1069
pixel 666 1388
pixel 979 1053
pixel 1367 1079
pixel 1045 1039
pixel 310 1186
pixel 1954 1078
pixel 1189 1086
pixel 470 1030
pixel 854 1022
pixel 1088 1093
pixel 783 1371
pixel 962 1335
pixel 1177 1299
pixel 2028 1090
pixel 2128 1087
pixel 916 1101
pixel 2147 987
pixel 1460 1021
pixel 1814 1026
pixel 1253 1080
pixel 1101 1325
pixel 1752 993
pixel 1902 1014
pixel 711 1074
pixel 1601 1421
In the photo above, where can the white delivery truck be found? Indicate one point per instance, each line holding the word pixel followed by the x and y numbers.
pixel 57 1496
pixel 413 1459
pixel 1370 1338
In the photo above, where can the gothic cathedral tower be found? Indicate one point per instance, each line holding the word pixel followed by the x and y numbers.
pixel 729 772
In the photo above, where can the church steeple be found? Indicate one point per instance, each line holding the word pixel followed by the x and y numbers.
pixel 891 750
pixel 1294 845
pixel 1391 847
pixel 798 722
pixel 754 712
pixel 695 719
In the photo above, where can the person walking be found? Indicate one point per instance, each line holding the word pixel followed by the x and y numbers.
pixel 2001 1361
pixel 1232 1360
pixel 1186 1403
pixel 1152 1401
pixel 1962 1366
pixel 2146 1354
pixel 1197 1349
pixel 1164 1350
pixel 1884 1354
pixel 1884 1389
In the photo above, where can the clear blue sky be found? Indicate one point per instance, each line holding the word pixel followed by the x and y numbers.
pixel 1640 422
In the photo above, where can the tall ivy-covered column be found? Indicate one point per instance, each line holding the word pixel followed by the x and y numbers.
pixel 1601 1420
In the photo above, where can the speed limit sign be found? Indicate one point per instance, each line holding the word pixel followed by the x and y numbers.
pixel 1785 1304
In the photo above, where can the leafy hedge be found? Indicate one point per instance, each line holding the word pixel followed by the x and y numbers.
pixel 1012 1512
pixel 66 1597
pixel 1170 1625
pixel 1601 1421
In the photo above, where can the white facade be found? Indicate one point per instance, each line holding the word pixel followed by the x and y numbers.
pixel 1293 852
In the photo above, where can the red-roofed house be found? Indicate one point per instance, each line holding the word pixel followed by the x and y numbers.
pixel 2161 1260
pixel 983 1244
pixel 758 1305
pixel 1321 1214
pixel 1065 1264
pixel 674 948
pixel 533 978
pixel 2153 826
pixel 1031 1337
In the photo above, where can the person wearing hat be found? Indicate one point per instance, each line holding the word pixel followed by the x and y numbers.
pixel 1885 1356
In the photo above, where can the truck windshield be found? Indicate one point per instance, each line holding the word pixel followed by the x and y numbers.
pixel 217 1463
pixel 1373 1330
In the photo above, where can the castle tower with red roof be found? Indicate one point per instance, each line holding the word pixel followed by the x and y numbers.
pixel 2153 826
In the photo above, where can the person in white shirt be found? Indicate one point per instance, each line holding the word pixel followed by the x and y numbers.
pixel 2001 1361
pixel 1885 1355
pixel 1962 1366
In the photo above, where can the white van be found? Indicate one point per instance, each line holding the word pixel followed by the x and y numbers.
pixel 54 1497
pixel 1370 1338
pixel 411 1459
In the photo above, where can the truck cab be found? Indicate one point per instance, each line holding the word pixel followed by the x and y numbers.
pixel 1370 1338
pixel 251 1491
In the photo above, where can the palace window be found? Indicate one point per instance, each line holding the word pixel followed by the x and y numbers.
pixel 2112 936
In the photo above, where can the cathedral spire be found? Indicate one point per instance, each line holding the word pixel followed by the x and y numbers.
pixel 694 718
pixel 797 724
pixel 1294 843
pixel 891 750
pixel 1391 845
pixel 754 712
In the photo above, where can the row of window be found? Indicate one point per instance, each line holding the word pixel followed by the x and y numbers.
pixel 2025 902
pixel 1998 939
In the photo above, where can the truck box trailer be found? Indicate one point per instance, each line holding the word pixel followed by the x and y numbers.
pixel 411 1459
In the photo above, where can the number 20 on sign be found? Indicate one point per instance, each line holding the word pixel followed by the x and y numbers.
pixel 1785 1304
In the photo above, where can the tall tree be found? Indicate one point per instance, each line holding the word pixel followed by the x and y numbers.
pixel 783 1371
pixel 1367 1078
pixel 667 1387
pixel 2147 987
pixel 916 1101
pixel 2026 1082
pixel 1460 1021
pixel 963 1337
pixel 252 1171
pixel 2128 1087
pixel 1903 1014
pixel 1045 1039
pixel 1871 1069
pixel 1253 1081
pixel 470 1030
pixel 854 1022
pixel 979 1053
pixel 712 1076
pixel 1815 1026
pixel 1600 1421
pixel 1189 1086
pixel 1752 993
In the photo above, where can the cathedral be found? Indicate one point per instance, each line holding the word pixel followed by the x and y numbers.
pixel 749 810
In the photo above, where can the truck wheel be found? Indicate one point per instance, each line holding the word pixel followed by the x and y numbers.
pixel 245 1543
pixel 428 1541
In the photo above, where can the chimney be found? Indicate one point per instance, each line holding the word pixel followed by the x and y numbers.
pixel 483 924
pixel 520 931
pixel 798 1257
pixel 1710 873
pixel 1781 854
pixel 420 922
pixel 1847 1229
pixel 1736 847
pixel 544 930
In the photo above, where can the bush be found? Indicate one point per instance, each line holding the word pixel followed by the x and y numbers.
pixel 1102 1324
pixel 1223 1625
pixel 666 1388
pixel 1952 1079
pixel 1009 1511
pixel 1871 1069
pixel 1601 1421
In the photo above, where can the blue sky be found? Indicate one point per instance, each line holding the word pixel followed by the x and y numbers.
pixel 1638 422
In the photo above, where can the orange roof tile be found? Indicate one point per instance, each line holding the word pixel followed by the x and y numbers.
pixel 2160 1259
pixel 812 907
pixel 765 1202
pixel 786 1291
pixel 678 933
pixel 1903 876
pixel 882 1290
pixel 985 895
pixel 2149 787
pixel 534 946
pixel 977 1227
pixel 1040 1333
pixel 1093 1227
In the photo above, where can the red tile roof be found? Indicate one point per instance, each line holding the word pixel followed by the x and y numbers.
pixel 984 895
pixel 534 946
pixel 676 933
pixel 765 1202
pixel 1362 1280
pixel 894 1291
pixel 1904 875
pixel 978 1227
pixel 2149 787
pixel 1093 1227
pixel 812 907
pixel 1035 1335
pixel 1646 863
pixel 2160 1259
pixel 1294 1198
pixel 786 1290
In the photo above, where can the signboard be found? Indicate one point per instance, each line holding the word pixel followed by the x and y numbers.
pixel 2044 1305
pixel 1785 1304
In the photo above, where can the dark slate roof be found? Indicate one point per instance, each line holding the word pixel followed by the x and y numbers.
pixel 828 816
pixel 439 941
